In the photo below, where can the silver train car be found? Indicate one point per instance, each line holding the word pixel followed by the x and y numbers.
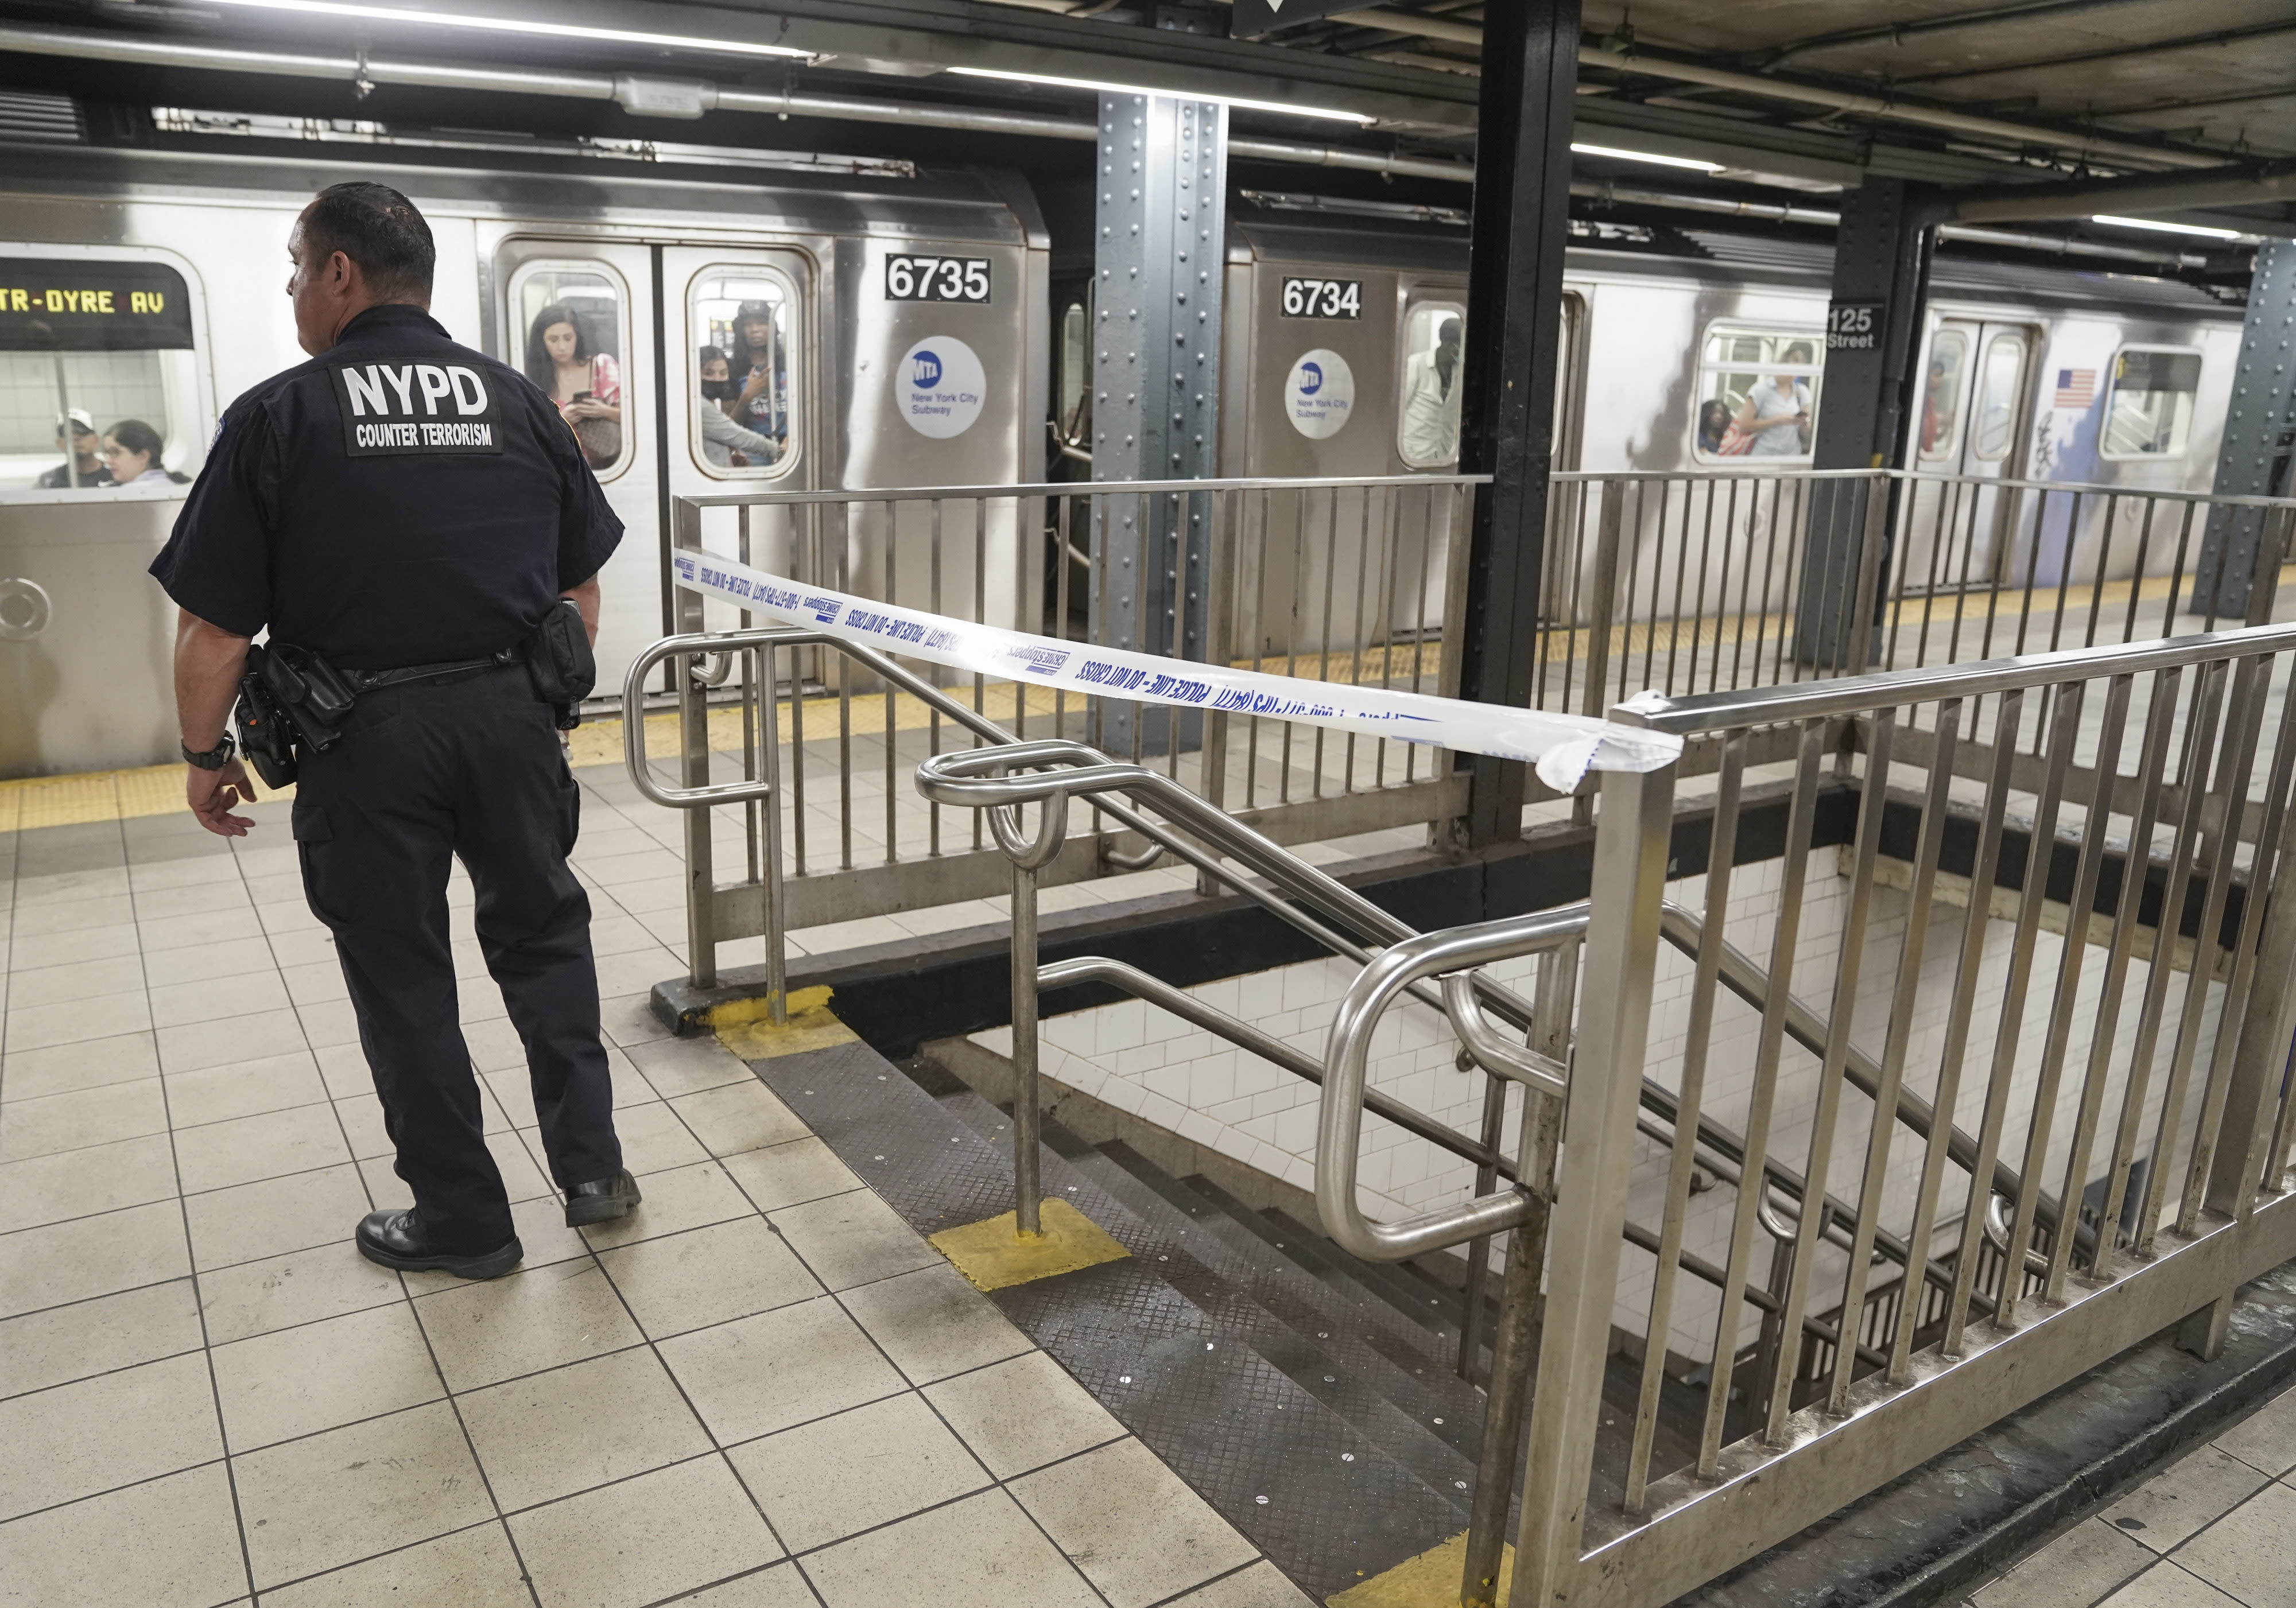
pixel 897 320
pixel 908 333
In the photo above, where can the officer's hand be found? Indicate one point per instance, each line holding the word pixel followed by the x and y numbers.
pixel 212 793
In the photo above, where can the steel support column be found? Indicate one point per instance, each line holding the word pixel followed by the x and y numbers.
pixel 1161 216
pixel 2259 435
pixel 1873 333
pixel 1515 324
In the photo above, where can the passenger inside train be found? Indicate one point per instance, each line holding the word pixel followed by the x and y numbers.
pixel 584 383
pixel 723 442
pixel 131 452
pixel 1776 410
pixel 762 401
pixel 1431 399
pixel 84 466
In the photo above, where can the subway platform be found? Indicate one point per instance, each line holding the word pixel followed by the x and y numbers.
pixel 764 1389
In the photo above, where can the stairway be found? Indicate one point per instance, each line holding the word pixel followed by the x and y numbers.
pixel 1311 1397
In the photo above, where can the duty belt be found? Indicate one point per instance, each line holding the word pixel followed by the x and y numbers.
pixel 370 681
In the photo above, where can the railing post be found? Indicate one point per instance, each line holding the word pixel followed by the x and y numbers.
pixel 770 766
pixel 1633 835
pixel 1511 1351
pixel 1028 1121
pixel 694 768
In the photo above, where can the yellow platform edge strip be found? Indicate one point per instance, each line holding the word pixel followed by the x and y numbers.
pixel 1430 1580
pixel 746 1026
pixel 994 1256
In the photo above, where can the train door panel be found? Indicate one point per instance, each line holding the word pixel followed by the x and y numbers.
pixel 938 346
pixel 577 317
pixel 1970 422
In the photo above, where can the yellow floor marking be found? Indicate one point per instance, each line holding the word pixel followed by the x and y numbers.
pixel 104 795
pixel 994 1256
pixel 1430 1580
pixel 746 1026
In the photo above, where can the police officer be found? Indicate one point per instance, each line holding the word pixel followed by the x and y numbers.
pixel 409 511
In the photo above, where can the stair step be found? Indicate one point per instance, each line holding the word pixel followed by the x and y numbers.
pixel 1359 1332
pixel 1266 1302
pixel 1422 1308
pixel 1247 1296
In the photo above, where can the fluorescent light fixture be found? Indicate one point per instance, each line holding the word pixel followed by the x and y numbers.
pixel 2146 223
pixel 507 25
pixel 1644 156
pixel 1357 118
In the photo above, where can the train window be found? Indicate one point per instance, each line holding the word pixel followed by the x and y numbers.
pixel 1998 384
pixel 1076 371
pixel 1427 417
pixel 99 384
pixel 1757 394
pixel 741 320
pixel 2149 412
pixel 573 320
pixel 1941 436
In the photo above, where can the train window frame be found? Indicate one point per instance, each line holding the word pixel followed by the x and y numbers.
pixel 1948 450
pixel 1813 372
pixel 2112 390
pixel 1432 307
pixel 514 338
pixel 2019 387
pixel 189 436
pixel 793 356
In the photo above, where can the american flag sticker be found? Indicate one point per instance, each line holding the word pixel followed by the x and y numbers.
pixel 2076 388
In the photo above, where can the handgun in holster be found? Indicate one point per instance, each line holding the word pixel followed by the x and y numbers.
pixel 288 697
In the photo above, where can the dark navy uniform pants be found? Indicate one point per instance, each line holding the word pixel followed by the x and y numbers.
pixel 469 769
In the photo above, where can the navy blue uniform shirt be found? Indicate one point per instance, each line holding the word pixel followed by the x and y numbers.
pixel 399 500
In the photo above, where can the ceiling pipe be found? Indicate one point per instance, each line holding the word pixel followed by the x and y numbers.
pixel 1822 218
pixel 2229 185
pixel 683 98
pixel 1408 22
pixel 1884 106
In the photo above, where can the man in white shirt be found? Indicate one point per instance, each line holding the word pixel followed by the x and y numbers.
pixel 1430 401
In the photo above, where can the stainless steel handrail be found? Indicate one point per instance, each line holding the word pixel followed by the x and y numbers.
pixel 1059 488
pixel 1843 696
pixel 1339 1121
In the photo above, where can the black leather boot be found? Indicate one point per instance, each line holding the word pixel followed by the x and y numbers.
pixel 391 1238
pixel 601 1201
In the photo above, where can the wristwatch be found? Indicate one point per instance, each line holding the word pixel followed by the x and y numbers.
pixel 215 759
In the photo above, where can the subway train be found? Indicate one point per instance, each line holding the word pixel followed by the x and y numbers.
pixel 862 322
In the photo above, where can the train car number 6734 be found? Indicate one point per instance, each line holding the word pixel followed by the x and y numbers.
pixel 937 279
pixel 1323 298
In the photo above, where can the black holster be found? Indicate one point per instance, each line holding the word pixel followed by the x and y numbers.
pixel 560 663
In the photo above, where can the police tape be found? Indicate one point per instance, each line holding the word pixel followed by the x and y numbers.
pixel 1562 748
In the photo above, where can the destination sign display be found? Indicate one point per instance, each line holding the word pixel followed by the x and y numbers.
pixel 79 305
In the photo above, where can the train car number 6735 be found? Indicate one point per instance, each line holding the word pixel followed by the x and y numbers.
pixel 1323 298
pixel 937 279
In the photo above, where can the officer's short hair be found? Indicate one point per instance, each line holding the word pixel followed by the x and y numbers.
pixel 377 228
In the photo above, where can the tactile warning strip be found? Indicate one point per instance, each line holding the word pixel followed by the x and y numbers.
pixel 1327 1502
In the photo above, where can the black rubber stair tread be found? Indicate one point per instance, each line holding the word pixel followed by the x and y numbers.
pixel 1426 1309
pixel 1354 1381
pixel 1322 1357
pixel 1360 1334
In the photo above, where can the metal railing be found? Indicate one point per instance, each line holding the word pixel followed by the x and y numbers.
pixel 1342 580
pixel 1685 583
pixel 2150 1077
pixel 1445 970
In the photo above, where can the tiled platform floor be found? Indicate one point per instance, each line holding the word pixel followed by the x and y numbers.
pixel 762 1390
pixel 2216 1530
